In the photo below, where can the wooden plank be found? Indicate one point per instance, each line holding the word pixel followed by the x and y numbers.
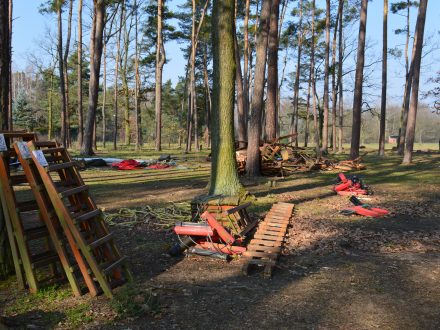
pixel 264 249
pixel 270 256
pixel 269 237
pixel 266 242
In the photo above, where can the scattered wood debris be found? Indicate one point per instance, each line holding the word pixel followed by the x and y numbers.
pixel 279 159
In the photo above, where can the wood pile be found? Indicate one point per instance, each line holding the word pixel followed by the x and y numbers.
pixel 283 159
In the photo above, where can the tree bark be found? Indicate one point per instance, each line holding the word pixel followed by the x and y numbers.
pixel 137 102
pixel 295 113
pixel 50 108
pixel 241 115
pixel 254 133
pixel 407 92
pixel 79 77
pixel 359 77
pixel 124 76
pixel 307 128
pixel 66 75
pixel 272 73
pixel 383 103
pixel 340 79
pixel 224 178
pixel 99 7
pixel 326 74
pixel 160 61
pixel 312 70
pixel 6 262
pixel 104 91
pixel 10 121
pixel 334 85
pixel 115 87
pixel 416 63
pixel 246 50
pixel 61 73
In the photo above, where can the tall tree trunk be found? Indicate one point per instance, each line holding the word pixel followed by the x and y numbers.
pixel 334 85
pixel 307 128
pixel 407 91
pixel 295 113
pixel 241 116
pixel 326 74
pixel 79 77
pixel 415 64
pixel 50 108
pixel 312 70
pixel 254 133
pixel 246 51
pixel 224 178
pixel 193 97
pixel 99 7
pixel 66 75
pixel 383 103
pixel 340 81
pixel 208 96
pixel 61 73
pixel 104 91
pixel 115 87
pixel 160 61
pixel 10 121
pixel 359 77
pixel 137 103
pixel 272 73
pixel 124 76
pixel 6 262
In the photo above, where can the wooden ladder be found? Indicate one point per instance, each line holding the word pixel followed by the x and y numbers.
pixel 79 214
pixel 68 251
pixel 29 237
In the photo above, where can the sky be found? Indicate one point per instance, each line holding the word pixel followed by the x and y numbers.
pixel 30 31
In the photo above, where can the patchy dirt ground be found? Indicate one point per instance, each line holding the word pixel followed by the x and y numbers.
pixel 335 272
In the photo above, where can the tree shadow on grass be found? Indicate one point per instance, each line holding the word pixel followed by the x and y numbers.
pixel 36 319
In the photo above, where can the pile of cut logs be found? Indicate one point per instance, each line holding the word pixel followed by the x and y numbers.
pixel 283 159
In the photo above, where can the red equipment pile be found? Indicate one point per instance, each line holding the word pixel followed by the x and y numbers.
pixel 207 238
pixel 354 186
pixel 350 186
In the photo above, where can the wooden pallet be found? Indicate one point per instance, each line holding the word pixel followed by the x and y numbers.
pixel 72 261
pixel 79 214
pixel 265 247
pixel 29 238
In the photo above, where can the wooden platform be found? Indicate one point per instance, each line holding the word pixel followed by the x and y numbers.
pixel 265 247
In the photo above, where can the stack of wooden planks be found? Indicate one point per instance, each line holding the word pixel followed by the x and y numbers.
pixel 265 247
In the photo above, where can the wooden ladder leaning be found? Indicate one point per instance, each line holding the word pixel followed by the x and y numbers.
pixel 30 240
pixel 78 213
pixel 64 243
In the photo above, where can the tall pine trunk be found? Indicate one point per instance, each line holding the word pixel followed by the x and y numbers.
pixel 334 85
pixel 61 74
pixel 10 121
pixel 358 82
pixel 224 178
pixel 272 73
pixel 326 74
pixel 307 128
pixel 137 102
pixel 253 166
pixel 313 81
pixel 407 91
pixel 6 262
pixel 383 103
pixel 416 63
pixel 79 78
pixel 241 115
pixel 115 85
pixel 340 79
pixel 160 61
pixel 104 91
pixel 246 50
pixel 295 113
pixel 66 74
pixel 124 76
pixel 96 35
